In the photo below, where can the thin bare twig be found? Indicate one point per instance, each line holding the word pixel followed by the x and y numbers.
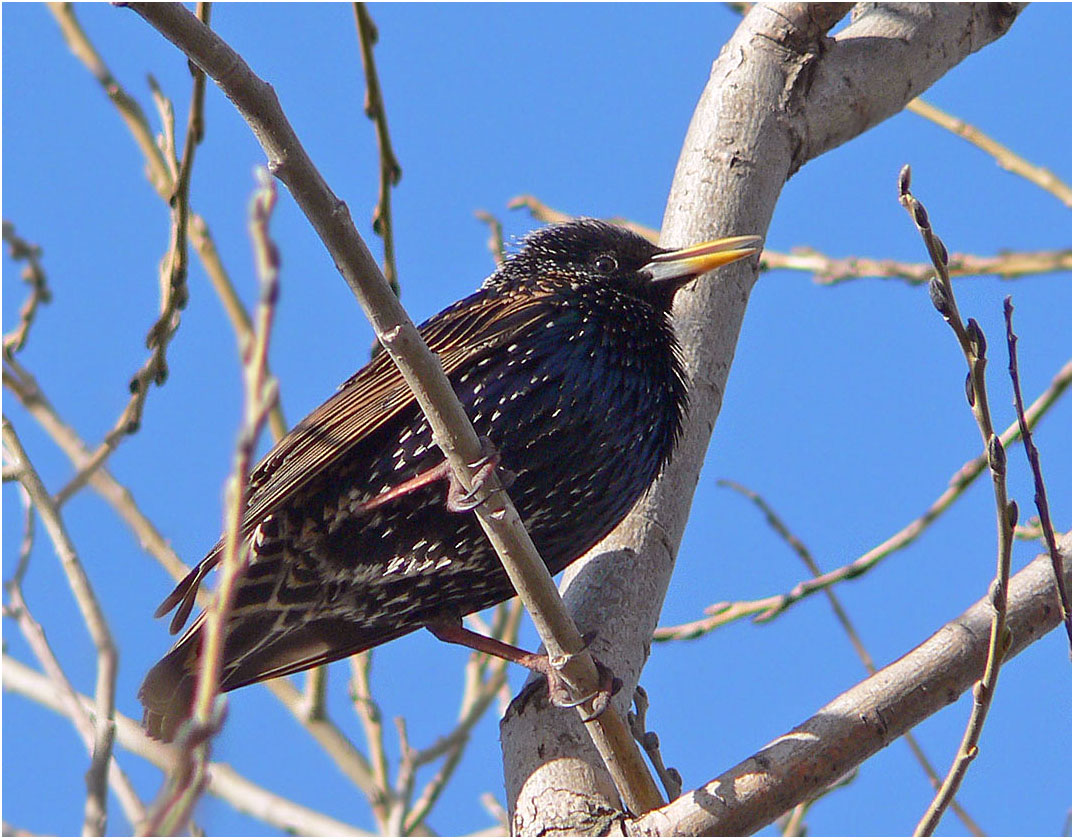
pixel 1005 157
pixel 66 697
pixel 543 213
pixel 793 824
pixel 369 713
pixel 804 554
pixel 224 782
pixel 766 609
pixel 173 281
pixel 257 399
pixel 186 782
pixel 496 234
pixel 314 692
pixel 497 812
pixel 160 174
pixel 195 122
pixel 96 624
pixel 973 344
pixel 129 109
pixel 831 271
pixel 651 743
pixel 405 778
pixel 34 275
pixel 390 170
pixel 1041 501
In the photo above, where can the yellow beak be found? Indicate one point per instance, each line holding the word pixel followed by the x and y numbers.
pixel 698 259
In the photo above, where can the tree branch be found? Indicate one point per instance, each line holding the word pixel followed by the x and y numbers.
pixel 780 93
pixel 224 782
pixel 1005 157
pixel 96 624
pixel 863 720
pixel 973 344
pixel 452 431
pixel 1041 500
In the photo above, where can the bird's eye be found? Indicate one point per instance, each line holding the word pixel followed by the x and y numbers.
pixel 605 264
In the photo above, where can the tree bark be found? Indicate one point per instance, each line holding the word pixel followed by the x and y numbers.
pixel 780 93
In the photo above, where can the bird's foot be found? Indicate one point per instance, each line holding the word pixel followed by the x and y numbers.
pixel 461 500
pixel 450 629
pixel 560 694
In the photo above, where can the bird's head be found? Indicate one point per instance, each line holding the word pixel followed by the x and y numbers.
pixel 590 251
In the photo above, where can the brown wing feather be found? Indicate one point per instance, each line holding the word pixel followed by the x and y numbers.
pixel 366 401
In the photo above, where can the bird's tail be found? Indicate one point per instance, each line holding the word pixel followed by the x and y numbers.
pixel 167 693
pixel 256 649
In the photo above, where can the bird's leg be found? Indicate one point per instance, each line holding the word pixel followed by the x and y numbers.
pixel 459 500
pixel 423 479
pixel 451 630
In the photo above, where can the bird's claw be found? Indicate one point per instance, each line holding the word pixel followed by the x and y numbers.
pixel 607 687
pixel 460 500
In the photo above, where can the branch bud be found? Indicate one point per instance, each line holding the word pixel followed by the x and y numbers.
pixel 904 181
pixel 998 458
pixel 938 296
pixel 921 217
pixel 977 338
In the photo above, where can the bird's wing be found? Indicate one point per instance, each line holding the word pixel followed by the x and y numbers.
pixel 365 402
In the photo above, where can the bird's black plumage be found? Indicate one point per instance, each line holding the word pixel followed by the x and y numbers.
pixel 565 360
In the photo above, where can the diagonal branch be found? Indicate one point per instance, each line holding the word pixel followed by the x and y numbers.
pixel 766 609
pixel 288 161
pixel 390 170
pixel 864 719
pixel 1005 157
pixel 224 782
pixel 96 623
pixel 799 547
pixel 1041 501
pixel 972 342
pixel 160 173
pixel 34 275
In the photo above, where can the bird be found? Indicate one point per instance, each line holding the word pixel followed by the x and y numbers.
pixel 567 364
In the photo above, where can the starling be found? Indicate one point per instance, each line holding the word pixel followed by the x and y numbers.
pixel 566 363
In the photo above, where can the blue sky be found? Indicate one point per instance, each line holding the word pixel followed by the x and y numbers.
pixel 844 407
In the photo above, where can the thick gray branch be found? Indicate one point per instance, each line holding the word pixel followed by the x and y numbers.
pixel 780 93
pixel 803 762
